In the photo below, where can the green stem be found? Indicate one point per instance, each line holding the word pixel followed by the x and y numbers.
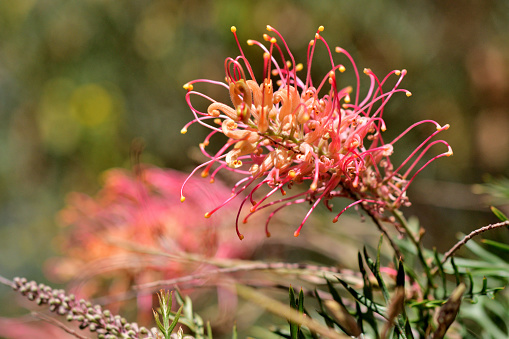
pixel 399 216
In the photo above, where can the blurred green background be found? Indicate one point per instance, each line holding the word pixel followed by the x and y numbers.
pixel 80 80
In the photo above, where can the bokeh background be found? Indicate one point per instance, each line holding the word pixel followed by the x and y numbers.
pixel 80 81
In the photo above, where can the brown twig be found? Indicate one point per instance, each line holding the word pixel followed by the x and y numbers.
pixel 470 236
pixel 57 323
pixel 6 281
pixel 253 266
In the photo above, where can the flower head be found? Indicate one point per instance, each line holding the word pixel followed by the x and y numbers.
pixel 141 209
pixel 284 130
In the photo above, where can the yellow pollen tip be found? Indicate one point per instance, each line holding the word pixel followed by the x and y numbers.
pixel 398 72
pixel 366 70
pixel 269 28
pixel 299 67
pixel 217 121
pixel 233 29
pixel 207 215
pixel 347 98
pixel 188 87
pixel 296 234
pixel 183 131
pixel 252 209
pixel 342 68
pixel 383 129
pixel 292 174
pixel 449 152
pixel 250 42
pixel 321 28
pixel 317 36
pixel 312 187
pixel 311 43
pixel 273 40
pixel 288 63
pixel 408 93
pixel 274 72
pixel 266 37
pixel 204 173
pixel 337 50
pixel 241 237
pixel 266 55
pixel 212 180
pixel 444 127
pixel 182 198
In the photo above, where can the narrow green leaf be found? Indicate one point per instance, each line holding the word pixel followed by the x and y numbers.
pixel 367 289
pixel 496 244
pixel 400 278
pixel 301 301
pixel 369 261
pixel 471 287
pixel 441 272
pixel 175 320
pixel 328 320
pixel 498 213
pixel 334 293
pixel 370 304
pixel 158 322
pixel 456 272
pixel 234 331
pixel 294 328
pixel 209 330
pixel 408 330
pixel 484 286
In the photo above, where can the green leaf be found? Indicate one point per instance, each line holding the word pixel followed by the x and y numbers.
pixel 234 331
pixel 175 320
pixel 328 320
pixel 301 301
pixel 370 304
pixel 209 330
pixel 498 213
pixel 158 322
pixel 294 328
pixel 496 244
pixel 441 272
pixel 400 278
pixel 456 272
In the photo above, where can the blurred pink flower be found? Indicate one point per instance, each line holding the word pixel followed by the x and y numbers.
pixel 142 209
pixel 285 131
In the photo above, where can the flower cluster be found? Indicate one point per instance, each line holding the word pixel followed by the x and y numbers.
pixel 93 317
pixel 140 209
pixel 144 207
pixel 285 130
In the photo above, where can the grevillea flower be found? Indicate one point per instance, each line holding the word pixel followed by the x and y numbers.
pixel 143 210
pixel 285 130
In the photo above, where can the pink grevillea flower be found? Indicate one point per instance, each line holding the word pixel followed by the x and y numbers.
pixel 285 130
pixel 142 209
